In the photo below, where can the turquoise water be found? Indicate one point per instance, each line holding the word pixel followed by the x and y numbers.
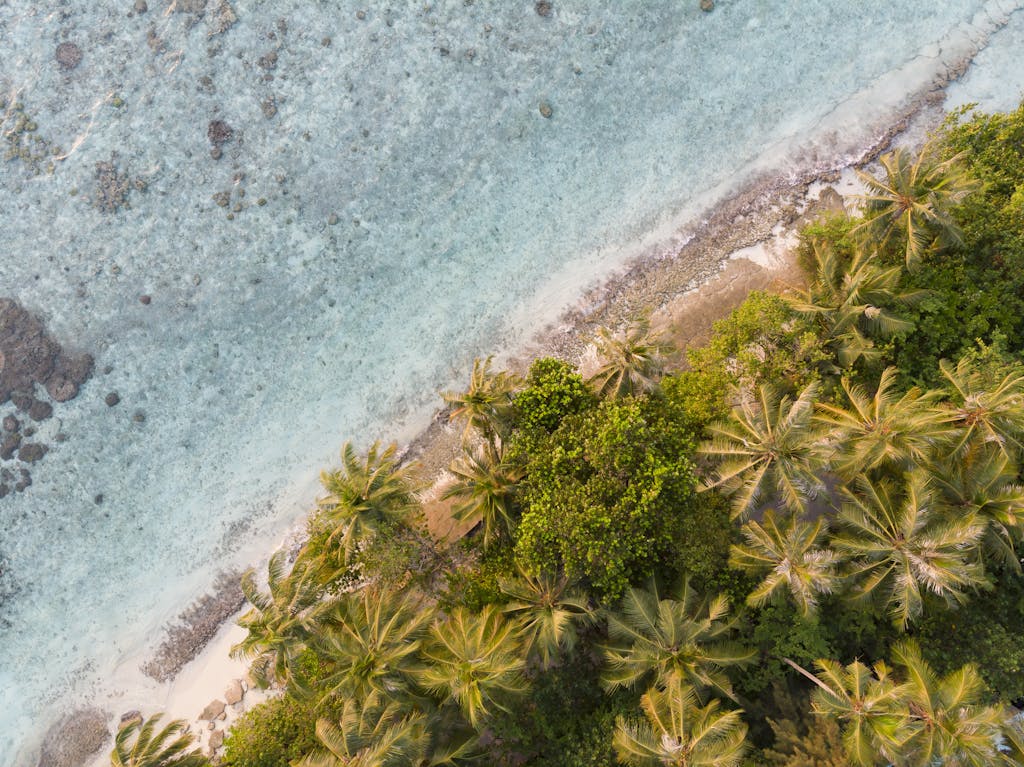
pixel 419 209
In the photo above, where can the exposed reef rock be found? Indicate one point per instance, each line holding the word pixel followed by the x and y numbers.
pixel 74 738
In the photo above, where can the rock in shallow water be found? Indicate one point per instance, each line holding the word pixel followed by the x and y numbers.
pixel 75 738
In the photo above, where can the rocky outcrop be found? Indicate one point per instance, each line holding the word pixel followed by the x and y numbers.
pixel 74 739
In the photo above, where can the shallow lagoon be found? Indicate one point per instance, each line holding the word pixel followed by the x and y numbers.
pixel 419 209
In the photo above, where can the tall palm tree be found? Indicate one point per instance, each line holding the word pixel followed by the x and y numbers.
pixel 280 621
pixel 915 198
pixel 365 493
pixel 631 362
pixel 884 428
pixel 866 701
pixel 984 484
pixel 901 544
pixel 475 660
pixel 370 735
pixel 679 732
pixel 485 487
pixel 793 559
pixel 769 451
pixel 486 406
pixel 984 411
pixel 849 302
pixel 683 637
pixel 550 609
pixel 945 720
pixel 369 645
pixel 138 745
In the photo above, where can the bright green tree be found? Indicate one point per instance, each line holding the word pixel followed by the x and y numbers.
pixel 486 406
pixel 485 485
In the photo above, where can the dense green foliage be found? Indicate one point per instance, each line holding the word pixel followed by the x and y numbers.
pixel 802 549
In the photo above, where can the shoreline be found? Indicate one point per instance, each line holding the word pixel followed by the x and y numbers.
pixel 705 268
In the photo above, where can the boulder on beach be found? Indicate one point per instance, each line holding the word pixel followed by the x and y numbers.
pixel 215 710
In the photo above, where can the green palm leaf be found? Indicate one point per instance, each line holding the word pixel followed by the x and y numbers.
pixel 139 745
pixel 632 362
pixel 486 406
pixel 485 488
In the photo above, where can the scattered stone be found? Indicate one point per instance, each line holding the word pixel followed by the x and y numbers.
pixel 190 6
pixel 146 299
pixel 129 718
pixel 98 499
pixel 234 692
pixel 269 107
pixel 69 56
pixel 223 199
pixel 216 740
pixel 222 19
pixel 62 389
pixel 214 710
pixel 545 110
pixel 112 399
pixel 268 60
pixel 326 42
pixel 361 15
pixel 40 410
pixel 216 153
pixel 140 6
pixel 139 417
pixel 31 452
pixel 6 475
pixel 29 431
pixel 219 132
pixel 25 483
pixel 112 186
pixel 76 737
pixel 60 437
pixel 543 8
pixel 9 446
pixel 4 490
pixel 332 219
pixel 22 401
pixel 707 5
pixel 11 423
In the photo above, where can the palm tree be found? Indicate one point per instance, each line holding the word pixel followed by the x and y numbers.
pixel 475 660
pixel 136 745
pixel 485 488
pixel 369 645
pixel 849 300
pixel 792 559
pixel 866 703
pixel 663 638
pixel 281 621
pixel 550 609
pixel 945 720
pixel 632 362
pixel 680 733
pixel 984 411
pixel 915 198
pixel 365 494
pixel 769 451
pixel 899 542
pixel 486 406
pixel 983 484
pixel 370 735
pixel 884 428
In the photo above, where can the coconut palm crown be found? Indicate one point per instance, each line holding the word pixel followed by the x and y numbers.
pixel 486 406
pixel 679 732
pixel 139 745
pixel 915 199
pixel 681 636
pixel 484 488
pixel 768 449
pixel 631 362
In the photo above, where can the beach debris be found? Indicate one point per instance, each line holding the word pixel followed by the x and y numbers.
pixel 68 56
pixel 76 737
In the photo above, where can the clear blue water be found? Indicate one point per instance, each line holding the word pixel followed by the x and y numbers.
pixel 416 200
